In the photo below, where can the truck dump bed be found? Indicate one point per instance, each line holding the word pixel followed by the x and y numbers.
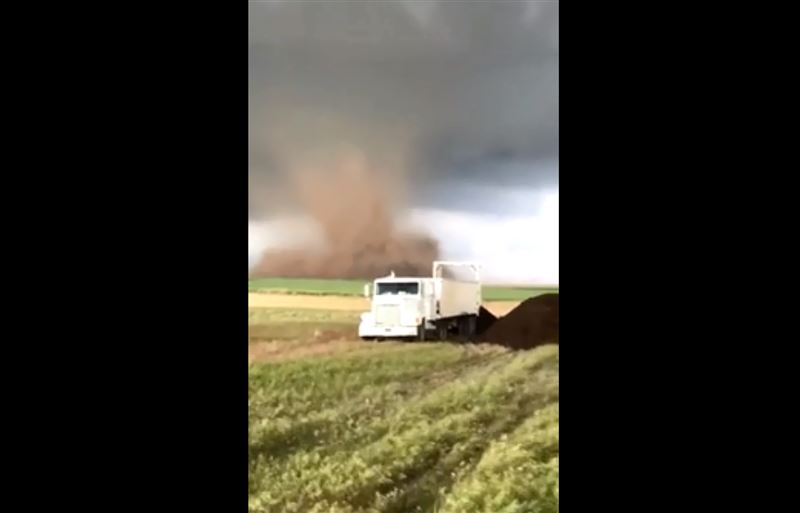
pixel 457 288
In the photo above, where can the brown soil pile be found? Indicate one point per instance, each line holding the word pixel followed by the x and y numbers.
pixel 533 323
pixel 485 320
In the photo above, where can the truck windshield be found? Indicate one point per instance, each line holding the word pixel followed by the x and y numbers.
pixel 410 288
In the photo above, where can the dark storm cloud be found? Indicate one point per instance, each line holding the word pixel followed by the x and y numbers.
pixel 437 91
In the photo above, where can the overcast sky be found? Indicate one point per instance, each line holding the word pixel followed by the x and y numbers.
pixel 461 98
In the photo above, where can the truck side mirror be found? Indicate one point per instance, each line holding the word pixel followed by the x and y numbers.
pixel 366 290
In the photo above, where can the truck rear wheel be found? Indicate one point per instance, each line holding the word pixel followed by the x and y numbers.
pixel 472 327
pixel 467 327
pixel 441 329
pixel 421 331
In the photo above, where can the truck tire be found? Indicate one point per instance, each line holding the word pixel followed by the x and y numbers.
pixel 441 330
pixel 467 327
pixel 421 331
pixel 472 328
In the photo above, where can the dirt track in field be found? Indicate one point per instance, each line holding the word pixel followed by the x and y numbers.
pixel 257 300
pixel 500 308
pixel 322 343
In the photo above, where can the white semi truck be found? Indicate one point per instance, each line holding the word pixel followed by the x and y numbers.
pixel 446 304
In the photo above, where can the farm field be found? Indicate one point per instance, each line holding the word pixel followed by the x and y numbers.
pixel 356 288
pixel 352 304
pixel 341 425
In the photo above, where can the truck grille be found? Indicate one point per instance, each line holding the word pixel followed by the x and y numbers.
pixel 388 315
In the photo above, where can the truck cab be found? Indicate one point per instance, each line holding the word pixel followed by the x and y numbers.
pixel 405 307
pixel 399 307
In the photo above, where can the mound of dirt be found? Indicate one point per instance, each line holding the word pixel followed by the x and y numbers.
pixel 533 323
pixel 485 320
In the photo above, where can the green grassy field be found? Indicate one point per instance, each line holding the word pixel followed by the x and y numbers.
pixel 397 427
pixel 356 288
